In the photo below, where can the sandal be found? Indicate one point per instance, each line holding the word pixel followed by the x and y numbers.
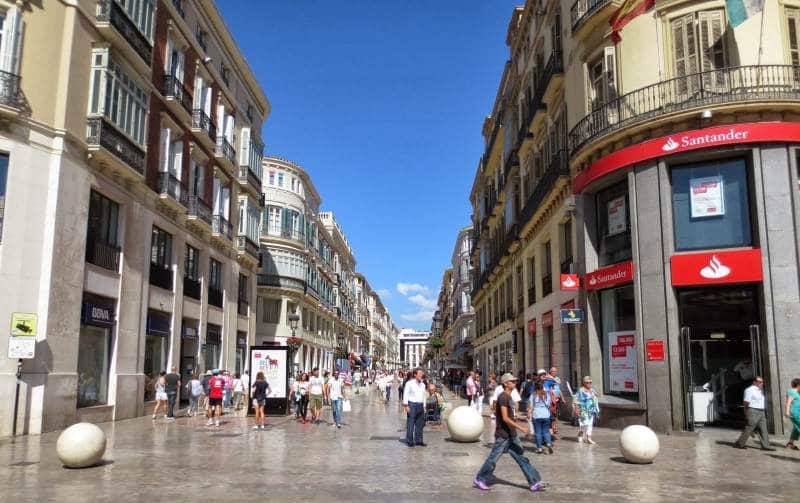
pixel 793 447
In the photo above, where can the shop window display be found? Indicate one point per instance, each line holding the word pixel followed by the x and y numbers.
pixel 614 229
pixel 618 325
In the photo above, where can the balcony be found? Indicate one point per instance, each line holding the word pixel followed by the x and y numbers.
pixel 179 99
pixel 247 177
pixel 531 296
pixel 202 123
pixel 11 99
pixel 547 285
pixel 558 168
pixel 273 280
pixel 243 307
pixel 224 151
pixel 726 86
pixel 585 14
pixel 199 211
pixel 246 246
pixel 172 190
pixel 161 276
pixel 110 146
pixel 551 77
pixel 191 288
pixel 115 24
pixel 221 228
pixel 214 297
pixel 102 254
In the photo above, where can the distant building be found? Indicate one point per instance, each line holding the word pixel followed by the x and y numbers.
pixel 412 347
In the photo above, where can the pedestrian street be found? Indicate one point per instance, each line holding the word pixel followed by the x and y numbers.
pixel 365 461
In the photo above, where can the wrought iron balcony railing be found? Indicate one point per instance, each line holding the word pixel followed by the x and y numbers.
pixel 10 94
pixel 170 186
pixel 199 209
pixel 582 10
pixel 214 297
pixel 102 254
pixel 723 86
pixel 200 120
pixel 160 276
pixel 221 226
pixel 174 88
pixel 246 245
pixel 101 133
pixel 558 167
pixel 225 149
pixel 247 175
pixel 110 12
pixel 191 288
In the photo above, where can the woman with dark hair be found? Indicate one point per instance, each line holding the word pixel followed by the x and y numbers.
pixel 793 412
pixel 260 393
pixel 301 395
pixel 541 401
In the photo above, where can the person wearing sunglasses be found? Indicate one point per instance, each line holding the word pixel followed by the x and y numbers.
pixel 755 408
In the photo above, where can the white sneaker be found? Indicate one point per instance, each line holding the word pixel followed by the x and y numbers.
pixel 216 423
pixel 256 427
pixel 209 422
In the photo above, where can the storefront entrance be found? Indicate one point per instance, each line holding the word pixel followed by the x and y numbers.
pixel 721 351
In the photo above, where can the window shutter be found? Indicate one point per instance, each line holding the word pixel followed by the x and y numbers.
pixel 610 73
pixel 180 65
pixel 7 43
pixel 793 17
pixel 207 99
pixel 177 163
pixel 712 44
pixel 163 154
pixel 244 147
pixel 168 56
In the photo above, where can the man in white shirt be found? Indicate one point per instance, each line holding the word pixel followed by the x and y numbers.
pixel 336 395
pixel 755 407
pixel 515 397
pixel 316 389
pixel 414 405
pixel 246 386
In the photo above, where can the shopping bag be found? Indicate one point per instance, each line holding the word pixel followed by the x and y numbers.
pixel 346 406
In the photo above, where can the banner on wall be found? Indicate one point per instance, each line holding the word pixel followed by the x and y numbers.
pixel 707 196
pixel 617 216
pixel 622 368
pixel 272 362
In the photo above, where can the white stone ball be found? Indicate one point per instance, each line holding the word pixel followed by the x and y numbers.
pixel 81 445
pixel 638 444
pixel 465 424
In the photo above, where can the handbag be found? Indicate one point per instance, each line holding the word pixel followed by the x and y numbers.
pixel 346 407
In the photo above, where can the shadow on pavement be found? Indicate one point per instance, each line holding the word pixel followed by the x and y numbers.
pixel 784 458
pixel 507 483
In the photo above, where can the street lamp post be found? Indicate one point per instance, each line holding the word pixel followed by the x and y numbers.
pixel 294 320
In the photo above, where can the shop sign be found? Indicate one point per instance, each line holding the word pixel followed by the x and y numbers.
pixel 241 339
pixel 21 348
pixel 532 327
pixel 746 133
pixel 622 366
pixel 610 276
pixel 23 324
pixel 707 196
pixel 272 362
pixel 617 216
pixel 158 324
pixel 547 319
pixel 720 267
pixel 570 282
pixel 569 316
pixel 655 350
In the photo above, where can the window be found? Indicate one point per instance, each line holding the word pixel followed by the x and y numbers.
pixel 272 310
pixel 531 281
pixel 11 29
pixel 566 247
pixel 200 35
pixel 117 97
pixel 617 319
pixel 141 13
pixel 3 185
pixel 103 222
pixel 197 178
pixel 613 225
pixel 243 288
pixel 280 179
pixel 698 45
pixel 161 248
pixel 294 184
pixel 793 18
pixel 602 79
pixel 711 205
pixel 211 354
pixel 215 274
pixel 155 349
pixel 190 265
pixel 547 270
pixel 272 178
pixel 273 220
pixel 93 360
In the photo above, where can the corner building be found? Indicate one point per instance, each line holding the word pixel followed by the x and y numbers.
pixel 683 143
pixel 130 203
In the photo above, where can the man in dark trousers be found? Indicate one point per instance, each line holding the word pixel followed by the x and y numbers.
pixel 172 387
pixel 507 441
pixel 414 405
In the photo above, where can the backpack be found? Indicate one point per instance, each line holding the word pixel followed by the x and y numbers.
pixel 527 390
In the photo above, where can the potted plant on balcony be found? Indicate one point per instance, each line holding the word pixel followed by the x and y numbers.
pixel 294 343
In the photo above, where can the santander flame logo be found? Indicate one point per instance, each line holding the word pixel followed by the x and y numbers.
pixel 569 282
pixel 715 269
pixel 670 145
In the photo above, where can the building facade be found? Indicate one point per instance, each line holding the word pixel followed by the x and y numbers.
pixel 141 251
pixel 458 316
pixel 659 172
pixel 412 347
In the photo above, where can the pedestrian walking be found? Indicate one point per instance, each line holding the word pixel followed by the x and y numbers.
pixel 194 390
pixel 260 393
pixel 414 407
pixel 336 395
pixel 316 388
pixel 301 396
pixel 389 384
pixel 326 376
pixel 479 395
pixel 238 391
pixel 507 441
pixel 793 412
pixel 357 380
pixel 246 387
pixel 525 391
pixel 401 383
pixel 541 401
pixel 171 386
pixel 470 388
pixel 755 408
pixel 216 391
pixel 204 382
pixel 228 389
pixel 491 386
pixel 553 387
pixel 161 394
pixel 497 391
pixel 587 408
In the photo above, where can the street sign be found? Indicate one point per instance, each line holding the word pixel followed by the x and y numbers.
pixel 21 347
pixel 571 316
pixel 23 325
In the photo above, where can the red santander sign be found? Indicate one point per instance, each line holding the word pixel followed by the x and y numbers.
pixel 616 274
pixel 720 267
pixel 570 282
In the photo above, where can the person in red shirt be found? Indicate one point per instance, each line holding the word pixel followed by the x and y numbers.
pixel 216 388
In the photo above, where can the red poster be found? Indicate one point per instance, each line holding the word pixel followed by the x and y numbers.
pixel 532 327
pixel 547 319
pixel 570 282
pixel 655 350
pixel 720 267
pixel 609 276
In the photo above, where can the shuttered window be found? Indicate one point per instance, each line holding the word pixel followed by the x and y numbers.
pixel 793 18
pixel 698 45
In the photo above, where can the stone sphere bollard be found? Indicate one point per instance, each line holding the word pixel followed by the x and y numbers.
pixel 638 444
pixel 81 445
pixel 465 424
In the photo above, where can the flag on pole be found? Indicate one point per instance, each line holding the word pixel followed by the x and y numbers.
pixel 740 11
pixel 625 14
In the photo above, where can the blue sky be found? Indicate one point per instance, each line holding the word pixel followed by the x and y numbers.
pixel 382 102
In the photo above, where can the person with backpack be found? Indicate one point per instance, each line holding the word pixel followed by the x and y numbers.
pixel 526 389
pixel 540 402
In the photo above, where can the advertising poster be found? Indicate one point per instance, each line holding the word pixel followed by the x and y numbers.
pixel 622 368
pixel 707 196
pixel 272 362
pixel 617 216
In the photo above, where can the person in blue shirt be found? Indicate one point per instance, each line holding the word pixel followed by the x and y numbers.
pixel 541 401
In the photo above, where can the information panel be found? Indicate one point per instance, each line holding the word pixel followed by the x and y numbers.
pixel 621 351
pixel 272 361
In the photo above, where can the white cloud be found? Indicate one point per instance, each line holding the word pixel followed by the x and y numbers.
pixel 423 301
pixel 407 288
pixel 418 316
pixel 384 293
